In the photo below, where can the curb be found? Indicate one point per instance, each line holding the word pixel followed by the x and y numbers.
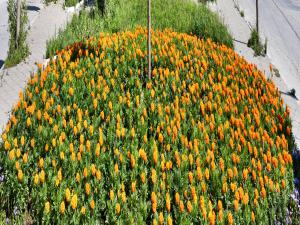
pixel 75 8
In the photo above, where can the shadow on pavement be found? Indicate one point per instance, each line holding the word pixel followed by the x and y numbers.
pixel 242 42
pixel 33 8
pixel 289 94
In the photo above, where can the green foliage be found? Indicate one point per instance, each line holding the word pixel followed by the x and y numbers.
pixel 255 43
pixel 18 49
pixel 119 15
pixel 70 3
pixel 47 2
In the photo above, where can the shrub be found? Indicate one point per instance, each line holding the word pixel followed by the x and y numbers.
pixel 93 140
pixel 18 49
pixel 180 15
pixel 255 43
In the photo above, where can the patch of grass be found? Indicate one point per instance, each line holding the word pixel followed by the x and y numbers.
pixel 180 15
pixel 255 43
pixel 47 2
pixel 70 3
pixel 242 13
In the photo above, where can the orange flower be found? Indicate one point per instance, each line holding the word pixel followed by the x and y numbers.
pixel 189 206
pixel 230 218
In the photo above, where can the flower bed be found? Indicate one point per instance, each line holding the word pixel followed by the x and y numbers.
pixel 93 140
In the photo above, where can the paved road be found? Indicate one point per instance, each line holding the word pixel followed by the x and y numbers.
pixel 280 24
pixel 33 8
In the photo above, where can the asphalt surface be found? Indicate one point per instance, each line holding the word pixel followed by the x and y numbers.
pixel 279 22
pixel 33 7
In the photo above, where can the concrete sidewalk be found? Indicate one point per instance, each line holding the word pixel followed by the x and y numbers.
pixel 240 31
pixel 46 25
pixel 279 22
pixel 33 9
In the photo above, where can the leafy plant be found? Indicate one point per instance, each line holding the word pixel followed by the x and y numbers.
pixel 180 15
pixel 18 48
pixel 70 3
pixel 255 43
pixel 92 140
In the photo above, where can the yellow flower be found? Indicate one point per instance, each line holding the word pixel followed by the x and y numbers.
pixel 168 202
pixel 92 204
pixel 236 205
pixel 207 174
pixel 11 154
pixel 110 106
pixel 155 155
pixel 62 207
pixel 68 195
pixel 71 91
pixel 177 198
pixel 36 179
pixel 123 196
pixel 82 210
pixel 20 176
pixel 42 176
pixel 98 175
pixel 22 140
pixel 118 208
pixel 160 138
pixel 25 158
pixel 189 206
pixel 28 122
pixel 41 163
pixel 111 194
pixel 230 218
pixel 161 218
pixel 170 221
pixel 74 201
pixel 6 145
pixel 133 185
pixel 252 217
pixel 47 207
pixel 85 172
pixel 143 177
pixel 154 202
pixel 87 189
pixel 153 176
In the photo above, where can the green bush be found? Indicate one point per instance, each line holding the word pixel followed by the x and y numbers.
pixel 255 43
pixel 119 15
pixel 18 49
